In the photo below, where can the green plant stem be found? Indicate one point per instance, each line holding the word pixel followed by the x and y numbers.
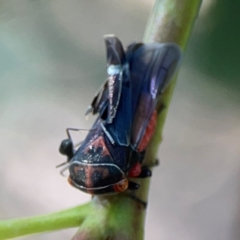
pixel 120 217
pixel 115 217
pixel 65 219
pixel 170 21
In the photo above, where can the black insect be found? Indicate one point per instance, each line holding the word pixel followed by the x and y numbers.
pixel 126 106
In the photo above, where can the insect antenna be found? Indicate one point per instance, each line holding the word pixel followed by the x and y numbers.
pixel 68 130
pixel 61 164
pixel 78 144
pixel 66 166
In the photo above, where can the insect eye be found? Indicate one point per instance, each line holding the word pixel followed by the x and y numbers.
pixel 66 148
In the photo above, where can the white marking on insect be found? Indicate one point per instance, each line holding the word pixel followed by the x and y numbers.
pixel 114 69
pixel 153 89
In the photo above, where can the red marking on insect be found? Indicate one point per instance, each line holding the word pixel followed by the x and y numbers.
pixel 70 181
pixel 99 142
pixel 135 170
pixel 121 186
pixel 148 132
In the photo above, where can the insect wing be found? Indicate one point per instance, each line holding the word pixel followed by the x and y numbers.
pixel 151 67
pixel 120 128
pixel 115 62
pixel 100 101
pixel 109 95
pixel 114 91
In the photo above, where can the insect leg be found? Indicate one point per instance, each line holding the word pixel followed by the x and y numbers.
pixel 144 204
pixel 67 147
pixel 76 130
pixel 145 172
pixel 135 198
pixel 133 186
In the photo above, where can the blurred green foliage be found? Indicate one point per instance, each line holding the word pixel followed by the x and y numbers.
pixel 216 46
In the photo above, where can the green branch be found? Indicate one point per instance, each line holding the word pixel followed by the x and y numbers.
pixel 23 226
pixel 170 21
pixel 120 217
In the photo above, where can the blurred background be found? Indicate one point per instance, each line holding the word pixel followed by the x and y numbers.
pixel 52 61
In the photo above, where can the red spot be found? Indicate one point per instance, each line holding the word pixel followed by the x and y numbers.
pixel 148 132
pixel 121 186
pixel 135 170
